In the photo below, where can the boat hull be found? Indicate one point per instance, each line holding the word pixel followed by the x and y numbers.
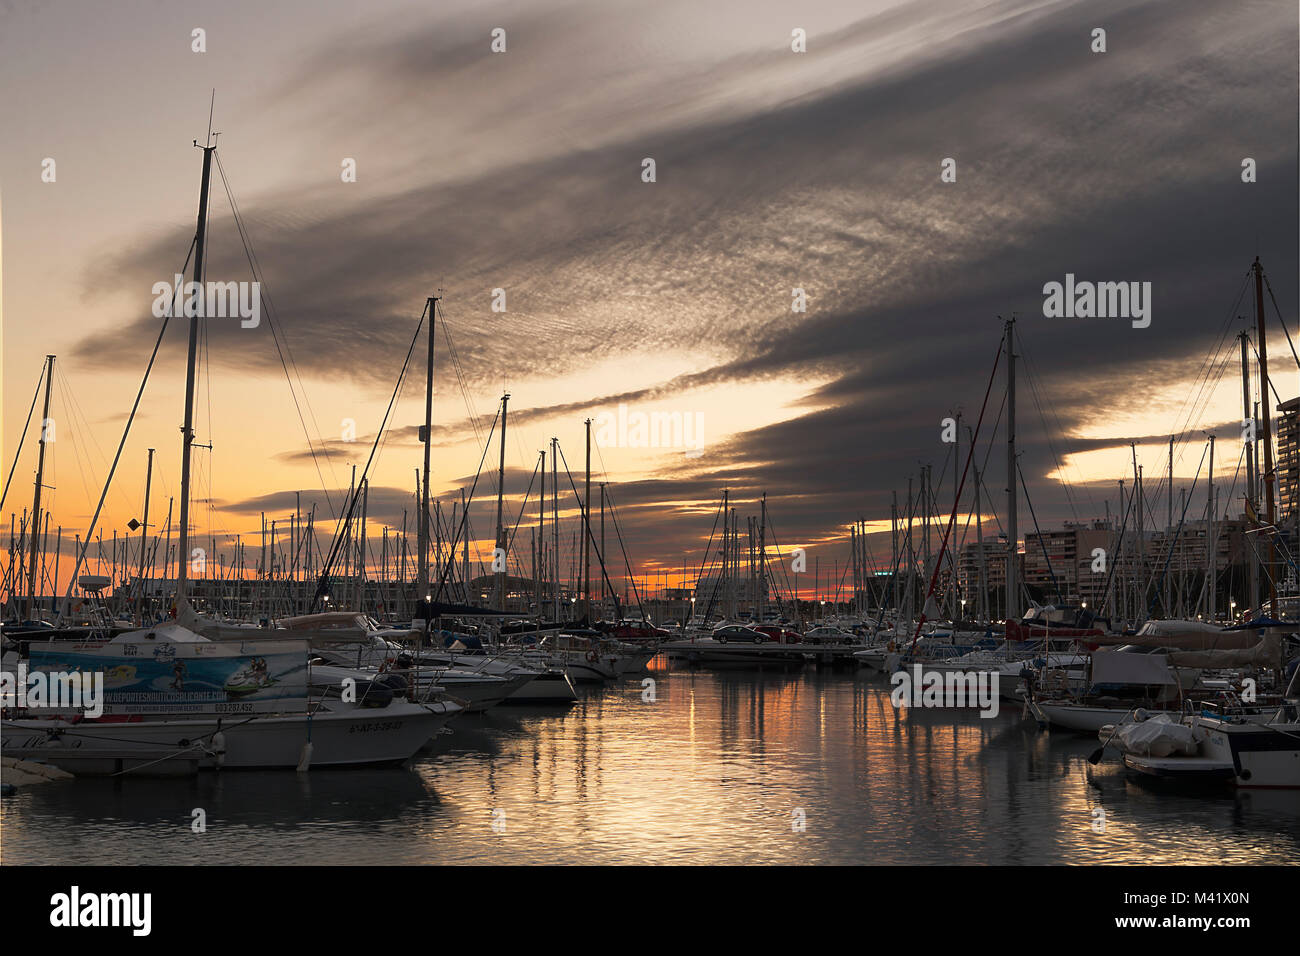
pixel 354 737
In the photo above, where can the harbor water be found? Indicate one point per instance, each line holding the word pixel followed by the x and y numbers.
pixel 701 767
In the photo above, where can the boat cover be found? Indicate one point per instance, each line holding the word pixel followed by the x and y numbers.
pixel 1123 667
pixel 1160 736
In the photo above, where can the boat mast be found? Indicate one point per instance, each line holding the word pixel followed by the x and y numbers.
pixel 1013 583
pixel 953 597
pixel 893 548
pixel 586 537
pixel 1211 541
pixel 144 531
pixel 499 577
pixel 761 596
pixel 187 430
pixel 1269 477
pixel 426 436
pixel 982 606
pixel 603 594
pixel 540 572
pixel 36 498
pixel 1252 508
pixel 555 526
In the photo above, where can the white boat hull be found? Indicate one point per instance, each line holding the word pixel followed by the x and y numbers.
pixel 1082 718
pixel 343 737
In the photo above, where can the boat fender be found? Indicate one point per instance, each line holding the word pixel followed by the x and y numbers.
pixel 219 747
pixel 304 758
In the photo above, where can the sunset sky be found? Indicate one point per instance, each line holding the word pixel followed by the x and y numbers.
pixel 522 171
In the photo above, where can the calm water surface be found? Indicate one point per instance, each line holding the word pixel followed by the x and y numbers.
pixel 716 770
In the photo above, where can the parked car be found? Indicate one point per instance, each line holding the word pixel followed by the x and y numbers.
pixel 828 635
pixel 782 635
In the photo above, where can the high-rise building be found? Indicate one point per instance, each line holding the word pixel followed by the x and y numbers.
pixel 1059 564
pixel 1287 466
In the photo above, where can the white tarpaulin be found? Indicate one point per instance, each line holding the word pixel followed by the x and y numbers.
pixel 1160 736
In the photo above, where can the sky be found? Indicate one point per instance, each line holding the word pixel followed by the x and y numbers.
pixel 524 171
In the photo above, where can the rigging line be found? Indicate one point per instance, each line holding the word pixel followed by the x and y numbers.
pixel 1181 442
pixel 273 324
pixel 708 548
pixel 953 553
pixel 717 578
pixel 67 597
pixel 510 543
pixel 786 571
pixel 600 558
pixel 1032 376
pixel 1114 564
pixel 618 531
pixel 336 544
pixel 1207 362
pixel 461 378
pixel 1004 340
pixel 464 521
pixel 18 449
pixel 993 434
pixel 1270 378
pixel 89 443
pixel 1174 540
pixel 462 383
pixel 1282 322
pixel 1038 532
pixel 1196 402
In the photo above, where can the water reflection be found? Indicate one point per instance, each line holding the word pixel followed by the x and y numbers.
pixel 716 770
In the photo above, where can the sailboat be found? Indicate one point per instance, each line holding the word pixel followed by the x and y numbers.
pixel 191 729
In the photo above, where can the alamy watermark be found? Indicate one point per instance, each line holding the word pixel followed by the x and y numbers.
pixel 214 300
pixel 626 429
pixel 1100 300
pixel 53 690
pixel 75 909
pixel 976 689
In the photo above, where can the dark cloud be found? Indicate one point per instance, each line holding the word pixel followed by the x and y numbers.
pixel 1115 166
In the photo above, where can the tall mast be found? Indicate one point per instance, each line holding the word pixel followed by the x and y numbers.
pixel 499 582
pixel 586 537
pixel 603 552
pixel 426 436
pixel 726 552
pixel 893 546
pixel 187 430
pixel 555 525
pixel 1266 437
pixel 464 518
pixel 955 601
pixel 144 529
pixel 36 498
pixel 1169 522
pixel 982 606
pixel 361 545
pixel 1013 535
pixel 1252 506
pixel 1210 540
pixel 761 596
pixel 541 538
